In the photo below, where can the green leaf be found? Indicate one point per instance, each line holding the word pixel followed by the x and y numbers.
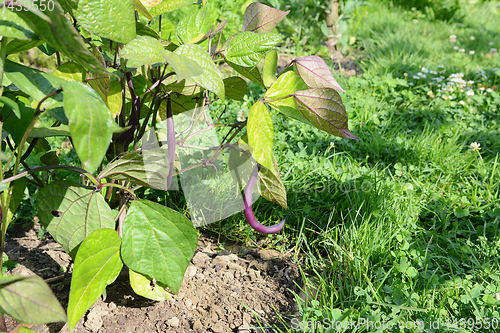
pixel 183 87
pixel 90 123
pixel 251 73
pixel 17 46
pixel 98 81
pixel 247 48
pixel 17 188
pixel 45 132
pixel 235 87
pixel 143 50
pixel 50 158
pixel 112 19
pixel 191 28
pixel 269 69
pixel 286 85
pixel 12 26
pixel 142 286
pixel 23 329
pixel 29 300
pixel 71 212
pixel 142 10
pixel 11 104
pixel 71 71
pixel 260 135
pixel 325 110
pixel 144 30
pixel 158 242
pixel 167 29
pixel 97 264
pixel 115 98
pixel 169 6
pixel 150 170
pixel 17 126
pixel 58 31
pixel 211 78
pixel 261 18
pixel 183 66
pixel 180 103
pixel 3 187
pixel 271 186
pixel 35 83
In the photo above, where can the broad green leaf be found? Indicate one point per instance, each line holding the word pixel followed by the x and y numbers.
pixel 90 123
pixel 71 71
pixel 98 81
pixel 139 6
pixel 150 3
pixel 286 85
pixel 17 46
pixel 251 73
pixel 112 19
pixel 271 187
pixel 143 50
pixel 169 6
pixel 158 242
pixel 180 103
pixel 12 26
pixel 269 69
pixel 183 66
pixel 58 31
pixel 211 78
pixel 235 87
pixel 191 28
pixel 262 18
pixel 325 110
pixel 260 135
pixel 142 286
pixel 50 158
pixel 29 300
pixel 183 87
pixel 115 98
pixel 97 265
pixel 35 83
pixel 316 73
pixel 45 132
pixel 3 187
pixel 144 30
pixel 23 329
pixel 11 104
pixel 17 126
pixel 71 212
pixel 151 171
pixel 247 48
pixel 16 193
pixel 167 30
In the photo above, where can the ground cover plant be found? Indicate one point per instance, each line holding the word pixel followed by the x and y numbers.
pixel 132 96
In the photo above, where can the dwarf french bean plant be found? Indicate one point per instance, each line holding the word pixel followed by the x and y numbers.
pixel 131 93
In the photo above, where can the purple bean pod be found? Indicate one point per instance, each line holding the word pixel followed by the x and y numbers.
pixel 247 202
pixel 170 141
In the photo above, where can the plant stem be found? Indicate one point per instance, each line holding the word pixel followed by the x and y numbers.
pixel 3 52
pixel 50 167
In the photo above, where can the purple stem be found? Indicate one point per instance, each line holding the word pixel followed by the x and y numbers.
pixel 170 141
pixel 247 202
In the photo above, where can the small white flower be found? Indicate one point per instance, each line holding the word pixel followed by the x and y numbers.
pixel 472 37
pixel 461 50
pixel 462 102
pixel 475 146
pixel 489 90
pixel 440 66
pixel 415 21
pixel 444 97
pixel 241 116
pixel 470 82
pixel 491 43
pixel 453 38
pixel 493 50
pixel 470 93
pixel 332 144
pixel 424 69
pixel 456 48
pixel 496 69
pixel 481 88
pixel 416 77
pixel 471 52
pixel 450 97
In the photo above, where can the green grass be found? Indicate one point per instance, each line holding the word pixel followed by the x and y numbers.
pixel 400 225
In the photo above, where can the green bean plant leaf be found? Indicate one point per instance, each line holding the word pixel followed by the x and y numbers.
pixel 183 66
pixel 192 28
pixel 247 48
pixel 251 73
pixel 261 134
pixel 235 87
pixel 143 50
pixel 28 299
pixel 142 285
pixel 324 109
pixel 13 26
pixel 261 18
pixel 90 123
pixel 71 212
pixel 158 242
pixel 112 19
pixel 97 264
pixel 168 6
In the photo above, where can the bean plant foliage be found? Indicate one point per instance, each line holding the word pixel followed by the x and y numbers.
pixel 133 96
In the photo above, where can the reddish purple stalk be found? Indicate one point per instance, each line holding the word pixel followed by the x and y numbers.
pixel 170 141
pixel 247 202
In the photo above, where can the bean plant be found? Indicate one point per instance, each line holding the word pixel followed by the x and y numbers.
pixel 131 93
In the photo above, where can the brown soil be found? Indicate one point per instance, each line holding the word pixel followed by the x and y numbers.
pixel 221 292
